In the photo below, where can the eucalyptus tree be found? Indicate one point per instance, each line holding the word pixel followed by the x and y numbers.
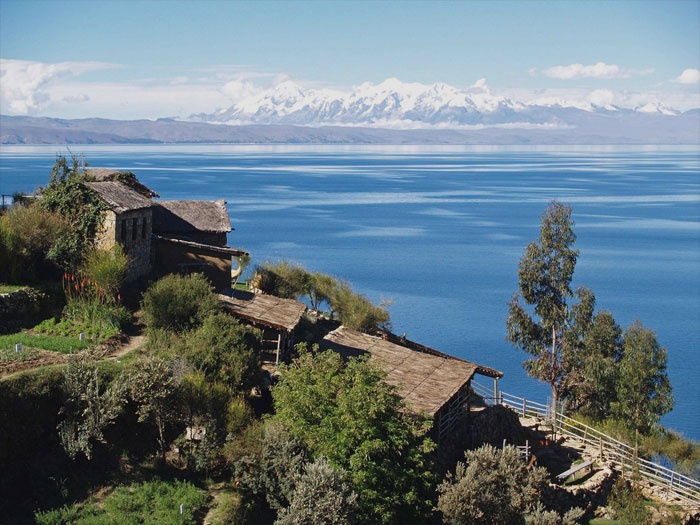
pixel 545 274
pixel 643 389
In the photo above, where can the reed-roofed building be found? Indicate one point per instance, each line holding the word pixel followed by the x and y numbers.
pixel 428 380
pixel 277 318
pixel 128 221
pixel 190 236
pixel 181 236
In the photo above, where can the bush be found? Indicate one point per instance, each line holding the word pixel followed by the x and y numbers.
pixel 282 279
pixel 179 303
pixel 495 486
pixel 27 236
pixel 320 495
pixel 269 462
pixel 358 312
pixel 107 267
pixel 226 350
pixel 627 504
pixel 89 408
pixel 103 320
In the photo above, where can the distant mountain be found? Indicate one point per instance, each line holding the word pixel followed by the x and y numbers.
pixel 399 105
pixel 577 127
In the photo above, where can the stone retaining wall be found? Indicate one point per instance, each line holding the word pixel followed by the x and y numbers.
pixel 18 305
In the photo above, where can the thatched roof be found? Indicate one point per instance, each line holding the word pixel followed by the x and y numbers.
pixel 227 250
pixel 190 216
pixel 402 341
pixel 118 196
pixel 125 177
pixel 425 381
pixel 267 310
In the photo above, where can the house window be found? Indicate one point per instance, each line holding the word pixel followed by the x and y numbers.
pixel 133 229
pixel 144 227
pixel 123 228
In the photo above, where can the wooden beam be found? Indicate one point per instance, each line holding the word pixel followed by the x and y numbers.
pixel 279 343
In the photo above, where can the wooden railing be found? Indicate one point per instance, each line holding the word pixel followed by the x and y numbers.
pixel 607 448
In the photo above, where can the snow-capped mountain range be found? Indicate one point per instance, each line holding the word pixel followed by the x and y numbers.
pixel 400 105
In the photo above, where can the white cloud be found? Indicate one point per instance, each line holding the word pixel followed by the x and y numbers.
pixel 602 97
pixel 597 70
pixel 26 84
pixel 689 76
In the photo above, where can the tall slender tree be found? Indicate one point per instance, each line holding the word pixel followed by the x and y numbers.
pixel 545 274
pixel 644 391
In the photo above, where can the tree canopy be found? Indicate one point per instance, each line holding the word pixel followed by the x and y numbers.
pixel 346 413
pixel 545 274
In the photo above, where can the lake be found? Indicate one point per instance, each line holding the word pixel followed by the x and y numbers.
pixel 439 231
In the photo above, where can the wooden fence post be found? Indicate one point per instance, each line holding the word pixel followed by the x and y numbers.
pixel 524 405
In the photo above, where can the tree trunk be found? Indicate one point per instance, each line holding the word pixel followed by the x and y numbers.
pixel 553 379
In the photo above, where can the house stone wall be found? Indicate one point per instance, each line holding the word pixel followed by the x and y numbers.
pixel 131 229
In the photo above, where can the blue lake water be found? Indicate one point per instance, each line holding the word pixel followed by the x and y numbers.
pixel 440 231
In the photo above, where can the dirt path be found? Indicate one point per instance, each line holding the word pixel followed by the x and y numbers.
pixel 133 343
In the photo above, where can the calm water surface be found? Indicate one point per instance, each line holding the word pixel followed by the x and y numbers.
pixel 440 231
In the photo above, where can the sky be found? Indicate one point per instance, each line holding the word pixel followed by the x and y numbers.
pixel 128 59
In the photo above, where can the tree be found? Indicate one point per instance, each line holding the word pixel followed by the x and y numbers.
pixel 347 413
pixel 179 303
pixel 593 371
pixel 644 391
pixel 67 195
pixel 545 274
pixel 226 350
pixel 495 486
pixel 89 408
pixel 153 387
pixel 320 495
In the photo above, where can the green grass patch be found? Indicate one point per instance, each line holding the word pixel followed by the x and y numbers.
pixel 152 502
pixel 9 354
pixel 70 328
pixel 9 288
pixel 65 345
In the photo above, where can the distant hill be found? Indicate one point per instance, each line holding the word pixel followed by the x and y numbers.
pixel 577 126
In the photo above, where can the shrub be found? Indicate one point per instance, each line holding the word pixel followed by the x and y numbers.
pixel 627 504
pixel 153 386
pixel 226 350
pixel 104 320
pixel 107 267
pixel 89 408
pixel 321 288
pixel 179 303
pixel 269 463
pixel 282 279
pixel 358 312
pixel 27 237
pixel 495 486
pixel 320 495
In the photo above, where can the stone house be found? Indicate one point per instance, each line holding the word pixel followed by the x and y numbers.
pixel 161 237
pixel 128 221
